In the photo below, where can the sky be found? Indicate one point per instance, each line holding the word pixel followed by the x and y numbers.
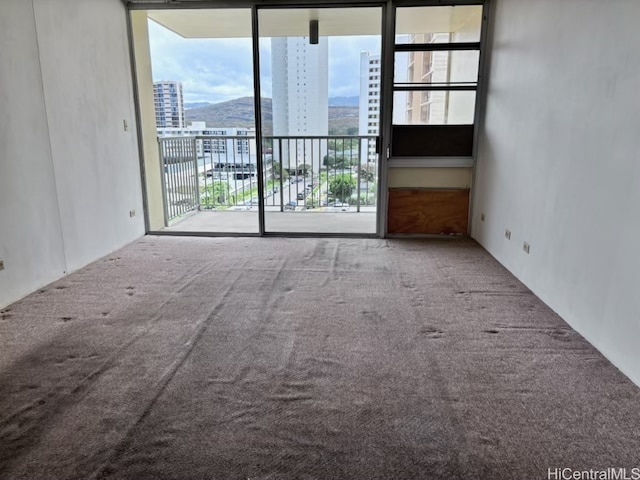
pixel 216 70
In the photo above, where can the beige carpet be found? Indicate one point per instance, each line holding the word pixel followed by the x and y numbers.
pixel 265 358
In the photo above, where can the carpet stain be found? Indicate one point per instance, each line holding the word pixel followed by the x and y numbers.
pixel 372 316
pixel 431 332
pixel 560 334
pixel 489 441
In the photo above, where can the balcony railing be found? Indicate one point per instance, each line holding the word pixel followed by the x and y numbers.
pixel 299 173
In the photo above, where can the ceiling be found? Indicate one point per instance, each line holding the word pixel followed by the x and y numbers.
pixel 294 22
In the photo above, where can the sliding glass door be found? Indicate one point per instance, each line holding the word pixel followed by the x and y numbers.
pixel 196 89
pixel 320 78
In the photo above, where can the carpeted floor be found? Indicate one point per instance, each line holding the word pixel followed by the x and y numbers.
pixel 291 359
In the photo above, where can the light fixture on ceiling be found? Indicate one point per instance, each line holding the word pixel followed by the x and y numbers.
pixel 313 32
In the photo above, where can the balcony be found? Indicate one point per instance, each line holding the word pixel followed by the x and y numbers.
pixel 312 184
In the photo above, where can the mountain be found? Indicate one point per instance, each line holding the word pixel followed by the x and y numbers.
pixel 344 101
pixel 189 106
pixel 232 113
pixel 343 120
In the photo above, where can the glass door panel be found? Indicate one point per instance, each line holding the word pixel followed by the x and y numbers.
pixel 320 78
pixel 203 94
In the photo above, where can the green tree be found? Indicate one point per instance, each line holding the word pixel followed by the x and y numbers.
pixel 342 186
pixel 276 168
pixel 213 195
pixel 368 173
pixel 304 169
pixel 331 161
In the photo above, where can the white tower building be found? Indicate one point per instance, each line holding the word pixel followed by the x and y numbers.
pixel 300 86
pixel 369 107
pixel 369 110
pixel 300 97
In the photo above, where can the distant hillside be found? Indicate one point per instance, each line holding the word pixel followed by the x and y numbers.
pixel 343 120
pixel 344 101
pixel 233 113
pixel 189 106
pixel 239 113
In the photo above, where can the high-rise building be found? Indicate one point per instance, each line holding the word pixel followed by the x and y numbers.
pixel 438 107
pixel 300 94
pixel 427 107
pixel 300 86
pixel 370 84
pixel 169 104
pixel 369 110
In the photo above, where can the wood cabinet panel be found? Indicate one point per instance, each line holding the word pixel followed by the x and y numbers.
pixel 426 211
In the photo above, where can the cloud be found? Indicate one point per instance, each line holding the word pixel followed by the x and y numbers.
pixel 344 63
pixel 211 70
pixel 216 70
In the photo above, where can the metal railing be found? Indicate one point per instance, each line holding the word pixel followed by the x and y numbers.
pixel 299 173
pixel 179 167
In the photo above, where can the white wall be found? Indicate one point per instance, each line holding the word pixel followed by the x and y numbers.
pixel 30 236
pixel 69 173
pixel 559 163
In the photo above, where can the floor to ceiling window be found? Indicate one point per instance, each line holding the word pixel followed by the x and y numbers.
pixel 336 114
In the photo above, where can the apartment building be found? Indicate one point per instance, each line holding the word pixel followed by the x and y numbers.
pixel 300 94
pixel 169 104
pixel 233 143
pixel 369 107
pixel 300 86
pixel 428 107
pixel 439 68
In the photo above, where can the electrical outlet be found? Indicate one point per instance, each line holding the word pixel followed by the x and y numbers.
pixel 1 264
pixel 132 213
pixel 482 217
pixel 526 247
pixel 507 234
